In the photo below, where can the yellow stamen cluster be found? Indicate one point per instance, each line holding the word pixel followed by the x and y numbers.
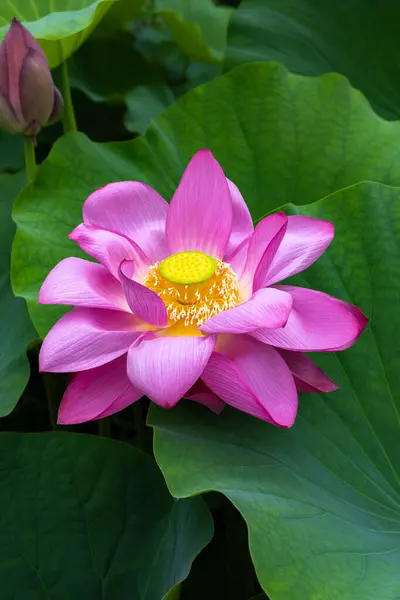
pixel 191 304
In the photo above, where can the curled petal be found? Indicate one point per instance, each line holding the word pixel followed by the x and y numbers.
pixel 242 223
pixel 308 377
pixel 262 247
pixel 305 240
pixel 87 338
pixel 237 260
pixel 165 368
pixel 266 308
pixel 143 302
pixel 200 212
pixel 91 394
pixel 110 249
pixel 317 322
pixel 253 378
pixel 132 209
pixel 77 282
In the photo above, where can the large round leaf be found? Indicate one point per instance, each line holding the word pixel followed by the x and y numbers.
pixel 119 18
pixel 198 26
pixel 359 39
pixel 279 137
pixel 91 519
pixel 60 26
pixel 16 329
pixel 321 500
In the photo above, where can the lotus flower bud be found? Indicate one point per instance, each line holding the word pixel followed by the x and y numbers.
pixel 28 97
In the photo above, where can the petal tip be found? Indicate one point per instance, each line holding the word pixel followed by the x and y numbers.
pixel 64 421
pixel 68 419
pixel 329 231
pixel 288 421
pixel 204 152
pixel 74 234
pixel 362 321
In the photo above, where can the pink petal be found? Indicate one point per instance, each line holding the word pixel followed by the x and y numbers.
pixel 304 242
pixel 91 393
pixel 78 282
pixel 318 322
pixel 200 393
pixel 165 368
pixel 13 53
pixel 260 383
pixel 308 377
pixel 261 248
pixel 121 403
pixel 86 338
pixel 110 249
pixel 242 223
pixel 8 120
pixel 200 212
pixel 361 319
pixel 266 308
pixel 237 260
pixel 143 302
pixel 132 209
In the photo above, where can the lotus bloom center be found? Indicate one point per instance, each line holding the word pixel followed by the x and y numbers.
pixel 193 286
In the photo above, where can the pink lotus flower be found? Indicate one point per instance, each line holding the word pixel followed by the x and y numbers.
pixel 184 303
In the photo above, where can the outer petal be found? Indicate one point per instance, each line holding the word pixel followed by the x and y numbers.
pixel 242 223
pixel 266 308
pixel 122 402
pixel 8 120
pixel 304 242
pixel 317 322
pixel 132 209
pixel 200 212
pixel 260 383
pixel 209 400
pixel 143 302
pixel 12 56
pixel 110 249
pixel 58 107
pixel 308 377
pixel 262 247
pixel 77 282
pixel 200 393
pixel 165 368
pixel 36 90
pixel 87 338
pixel 361 319
pixel 91 393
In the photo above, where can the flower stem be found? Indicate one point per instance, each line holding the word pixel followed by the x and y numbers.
pixel 139 424
pixel 30 160
pixel 103 427
pixel 68 119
